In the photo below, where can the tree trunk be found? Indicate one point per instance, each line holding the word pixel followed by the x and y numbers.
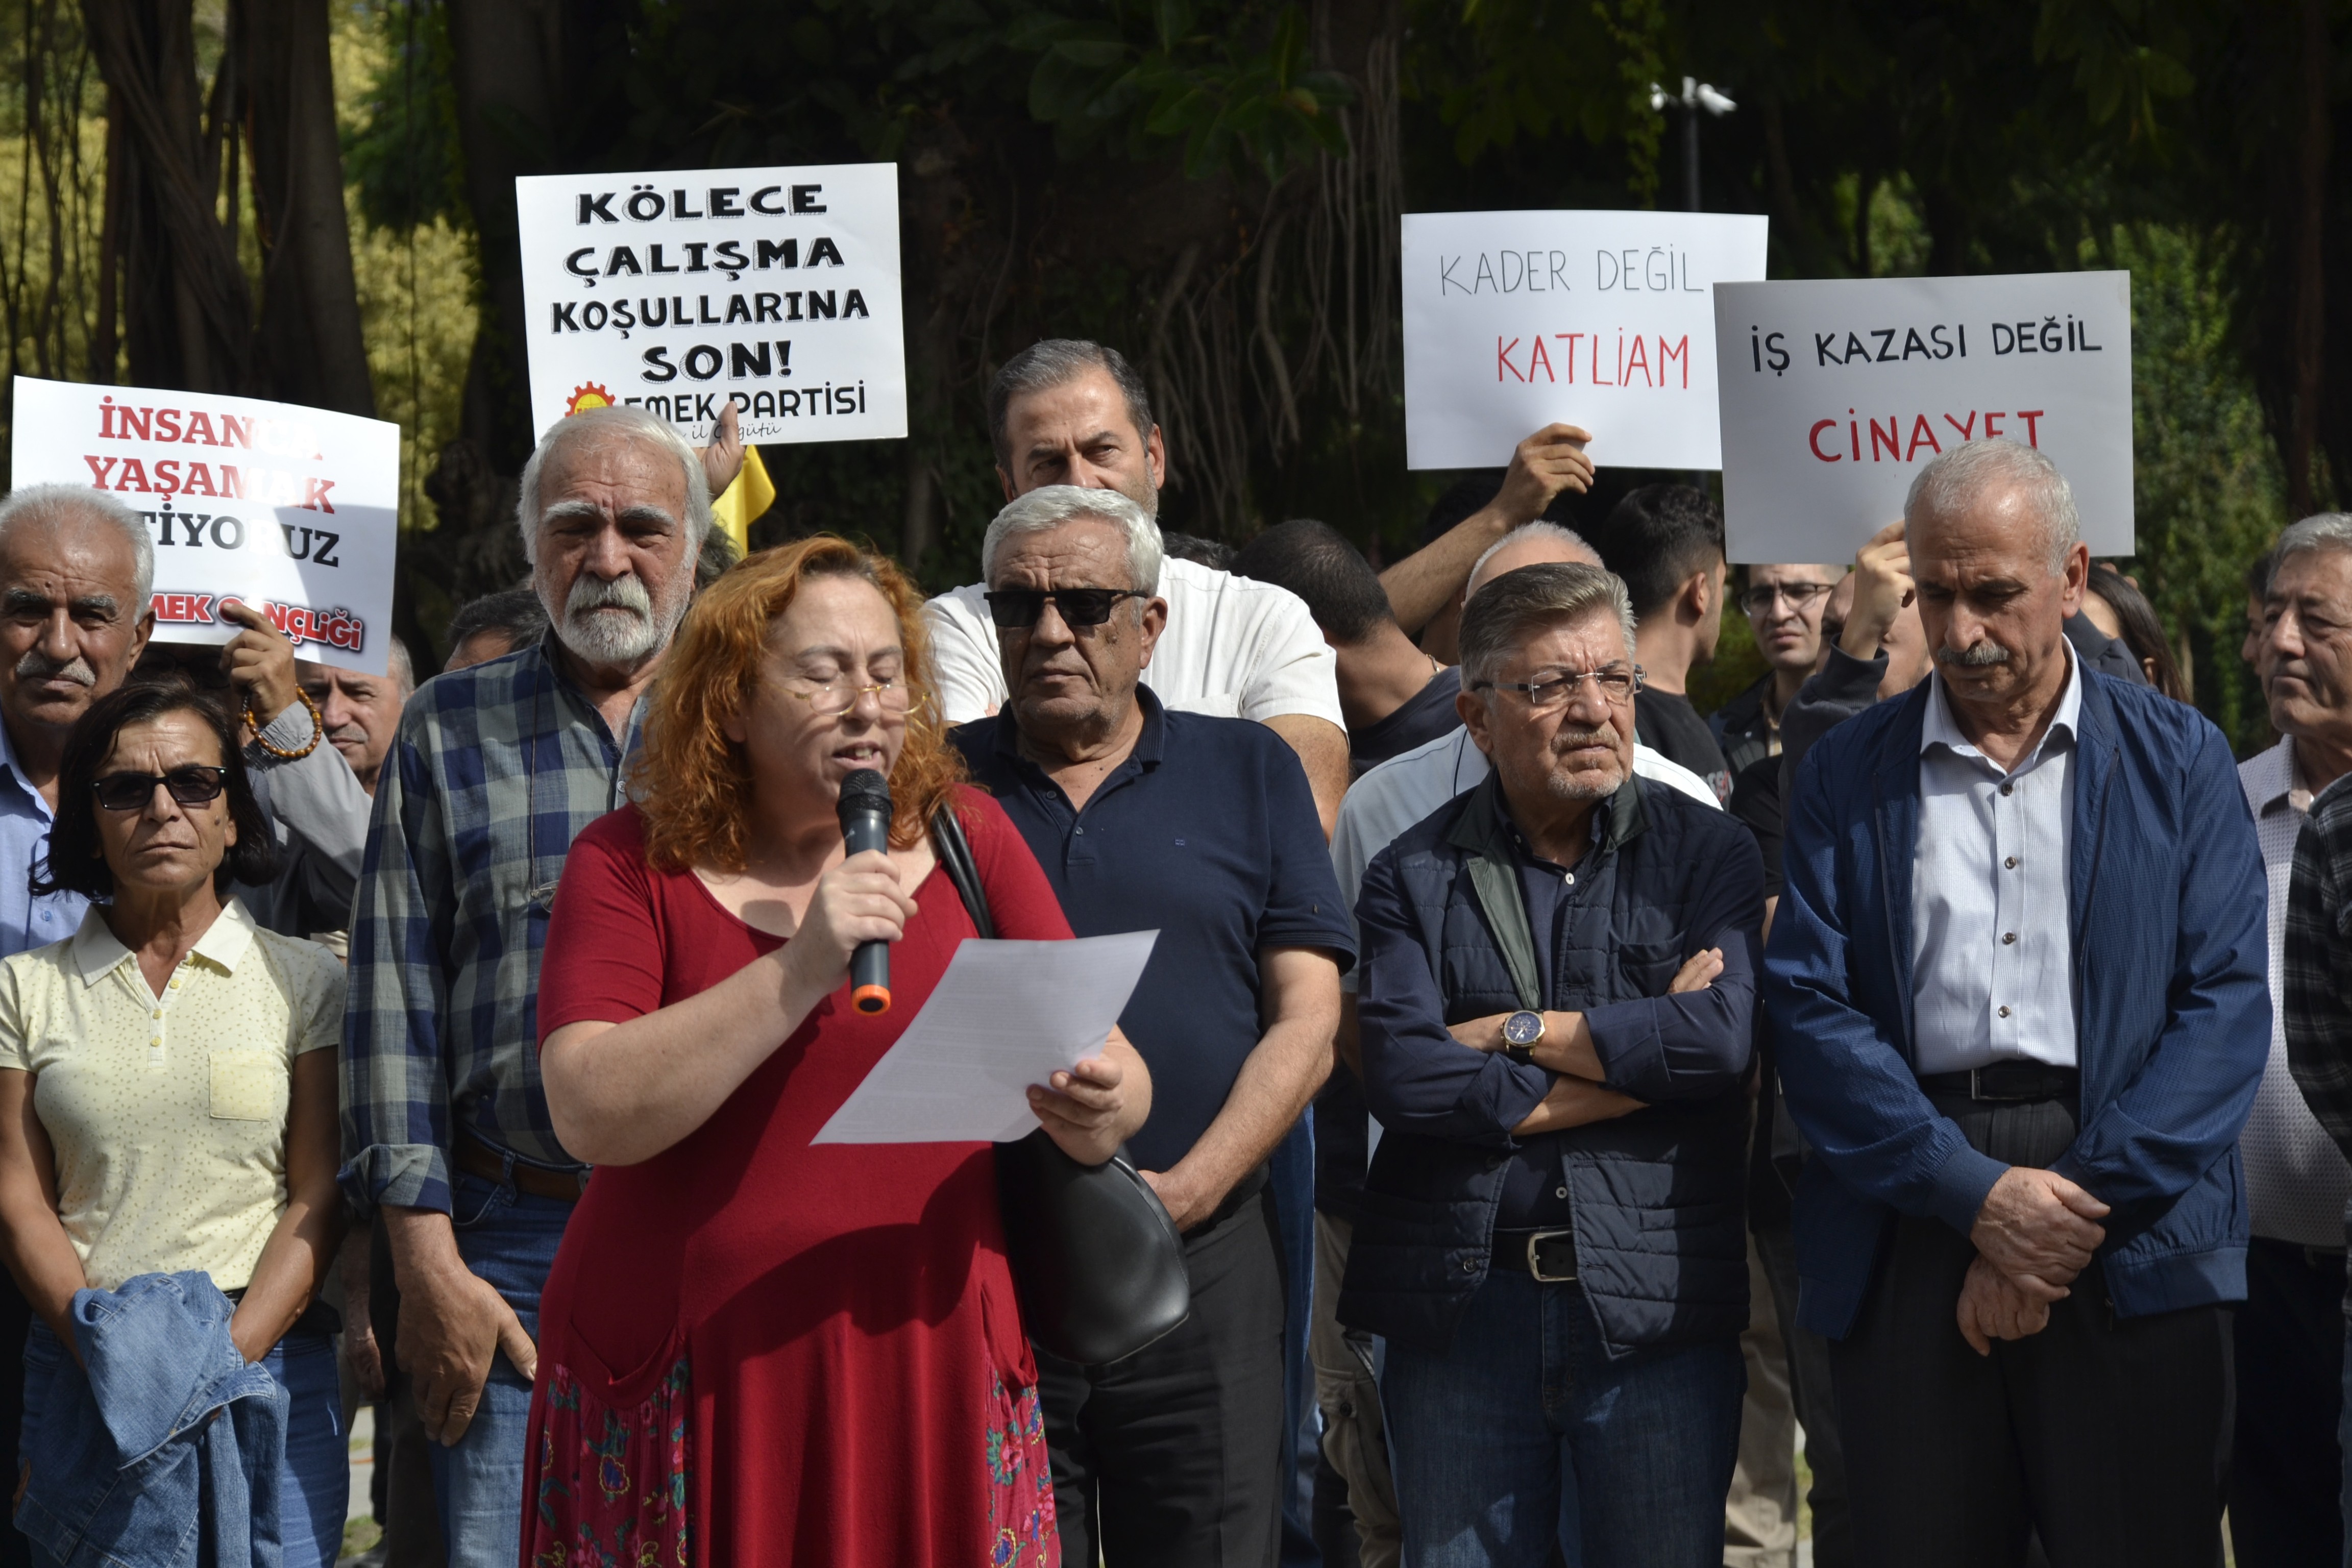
pixel 312 347
pixel 190 313
pixel 508 59
pixel 2310 261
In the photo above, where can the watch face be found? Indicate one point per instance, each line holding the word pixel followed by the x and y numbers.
pixel 1523 1028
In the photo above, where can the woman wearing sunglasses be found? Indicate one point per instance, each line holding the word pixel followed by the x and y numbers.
pixel 168 1108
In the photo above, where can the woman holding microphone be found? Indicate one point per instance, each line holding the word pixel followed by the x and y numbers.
pixel 755 1350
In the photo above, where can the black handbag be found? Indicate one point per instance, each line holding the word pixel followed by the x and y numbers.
pixel 1096 1262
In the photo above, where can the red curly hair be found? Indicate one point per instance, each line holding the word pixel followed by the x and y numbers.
pixel 693 784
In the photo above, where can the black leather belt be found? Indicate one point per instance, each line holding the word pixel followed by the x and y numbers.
pixel 2015 1083
pixel 1547 1255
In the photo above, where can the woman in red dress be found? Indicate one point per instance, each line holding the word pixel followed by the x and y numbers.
pixel 753 1350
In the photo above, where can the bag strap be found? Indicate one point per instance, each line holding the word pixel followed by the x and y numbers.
pixel 954 851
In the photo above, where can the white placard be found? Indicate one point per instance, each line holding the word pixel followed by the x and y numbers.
pixel 678 290
pixel 294 511
pixel 1005 1014
pixel 1514 320
pixel 1836 393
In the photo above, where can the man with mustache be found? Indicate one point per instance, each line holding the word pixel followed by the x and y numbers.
pixel 2017 998
pixel 76 570
pixel 493 772
pixel 1555 1014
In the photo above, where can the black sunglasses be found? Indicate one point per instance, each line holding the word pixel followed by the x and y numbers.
pixel 1018 609
pixel 191 785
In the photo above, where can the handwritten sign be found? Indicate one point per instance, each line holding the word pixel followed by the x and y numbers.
pixel 680 291
pixel 293 511
pixel 1836 393
pixel 1513 320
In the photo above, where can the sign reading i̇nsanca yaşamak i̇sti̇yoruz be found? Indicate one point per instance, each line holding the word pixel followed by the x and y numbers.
pixel 293 511
pixel 678 291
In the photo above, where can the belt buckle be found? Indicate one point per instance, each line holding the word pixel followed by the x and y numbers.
pixel 1978 1092
pixel 1536 1268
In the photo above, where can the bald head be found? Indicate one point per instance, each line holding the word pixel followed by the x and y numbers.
pixel 1531 545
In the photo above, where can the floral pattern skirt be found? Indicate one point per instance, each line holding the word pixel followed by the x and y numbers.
pixel 614 1483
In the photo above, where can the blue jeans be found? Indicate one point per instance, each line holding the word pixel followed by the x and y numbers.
pixel 1526 1432
pixel 1292 1179
pixel 510 1238
pixel 315 1475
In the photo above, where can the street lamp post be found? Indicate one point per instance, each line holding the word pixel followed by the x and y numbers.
pixel 1695 96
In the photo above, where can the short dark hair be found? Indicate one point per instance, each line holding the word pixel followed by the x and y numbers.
pixel 1316 561
pixel 1472 492
pixel 1656 537
pixel 515 612
pixel 76 862
pixel 2260 574
pixel 1211 552
pixel 1051 361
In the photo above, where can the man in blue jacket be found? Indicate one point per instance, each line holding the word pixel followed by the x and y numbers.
pixel 2016 987
pixel 1557 1015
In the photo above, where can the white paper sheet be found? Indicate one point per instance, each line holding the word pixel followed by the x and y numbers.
pixel 1004 1016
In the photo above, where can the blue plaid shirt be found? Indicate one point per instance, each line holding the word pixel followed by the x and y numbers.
pixel 496 770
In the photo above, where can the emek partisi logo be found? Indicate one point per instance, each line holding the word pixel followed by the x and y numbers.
pixel 588 394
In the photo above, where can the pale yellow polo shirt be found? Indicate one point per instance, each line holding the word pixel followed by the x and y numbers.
pixel 168 1114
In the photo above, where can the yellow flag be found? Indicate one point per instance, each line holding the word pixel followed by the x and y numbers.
pixel 751 493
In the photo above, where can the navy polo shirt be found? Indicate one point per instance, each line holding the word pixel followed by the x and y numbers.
pixel 1208 834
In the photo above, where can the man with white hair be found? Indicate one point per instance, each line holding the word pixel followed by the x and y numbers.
pixel 1202 828
pixel 2016 993
pixel 494 772
pixel 1065 411
pixel 1556 1017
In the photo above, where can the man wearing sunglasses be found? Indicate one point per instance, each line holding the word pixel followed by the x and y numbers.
pixel 1202 828
pixel 1068 411
pixel 1784 607
pixel 1556 1013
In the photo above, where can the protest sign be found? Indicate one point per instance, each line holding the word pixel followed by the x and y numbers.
pixel 293 511
pixel 1835 394
pixel 1514 320
pixel 677 290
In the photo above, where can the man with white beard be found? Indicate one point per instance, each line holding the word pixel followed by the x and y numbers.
pixel 495 770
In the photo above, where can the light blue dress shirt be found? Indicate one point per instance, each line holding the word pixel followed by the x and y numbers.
pixel 25 922
pixel 1992 977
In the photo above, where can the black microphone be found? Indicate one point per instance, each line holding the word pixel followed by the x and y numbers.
pixel 866 825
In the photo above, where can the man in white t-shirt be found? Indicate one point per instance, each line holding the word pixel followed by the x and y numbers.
pixel 1069 412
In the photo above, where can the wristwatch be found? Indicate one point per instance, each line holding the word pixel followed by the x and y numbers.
pixel 1521 1031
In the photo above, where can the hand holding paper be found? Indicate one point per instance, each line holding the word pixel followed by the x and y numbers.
pixel 1004 1016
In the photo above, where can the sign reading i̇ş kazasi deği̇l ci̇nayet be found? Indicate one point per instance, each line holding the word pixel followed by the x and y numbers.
pixel 1837 392
pixel 293 511
pixel 678 291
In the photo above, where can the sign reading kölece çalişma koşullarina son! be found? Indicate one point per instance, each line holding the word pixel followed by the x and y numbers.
pixel 293 511
pixel 680 291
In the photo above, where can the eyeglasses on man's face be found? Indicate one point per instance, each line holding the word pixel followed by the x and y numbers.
pixel 190 785
pixel 1018 609
pixel 1759 599
pixel 1551 689
pixel 832 699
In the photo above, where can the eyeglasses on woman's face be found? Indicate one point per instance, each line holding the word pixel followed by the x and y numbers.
pixel 832 699
pixel 1551 689
pixel 1761 599
pixel 192 785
